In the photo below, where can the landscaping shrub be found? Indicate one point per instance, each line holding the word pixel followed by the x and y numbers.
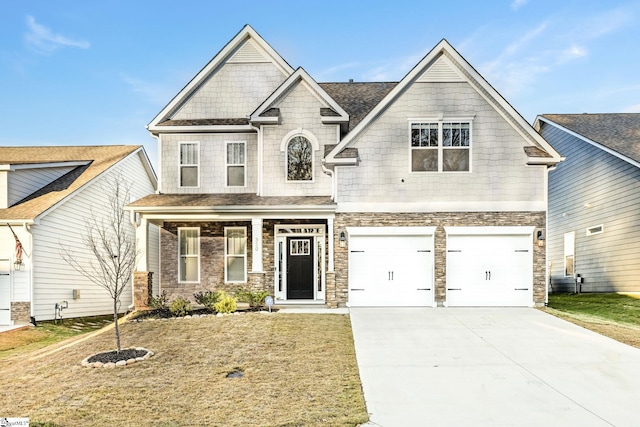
pixel 208 299
pixel 161 302
pixel 180 307
pixel 226 303
pixel 255 299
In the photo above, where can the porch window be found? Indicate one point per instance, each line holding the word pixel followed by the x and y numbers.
pixel 440 146
pixel 189 164
pixel 189 254
pixel 299 159
pixel 236 154
pixel 235 254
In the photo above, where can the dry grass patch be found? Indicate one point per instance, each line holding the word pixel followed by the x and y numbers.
pixel 299 369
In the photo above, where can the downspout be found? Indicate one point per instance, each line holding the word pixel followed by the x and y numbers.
pixel 32 312
pixel 333 179
pixel 260 157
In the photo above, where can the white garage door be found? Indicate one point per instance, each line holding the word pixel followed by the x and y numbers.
pixel 390 266
pixel 490 269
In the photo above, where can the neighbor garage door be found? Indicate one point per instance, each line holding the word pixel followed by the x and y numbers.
pixel 390 266
pixel 489 266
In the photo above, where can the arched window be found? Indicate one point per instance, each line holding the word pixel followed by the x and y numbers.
pixel 299 159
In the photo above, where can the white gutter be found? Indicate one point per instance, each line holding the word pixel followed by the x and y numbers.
pixel 333 180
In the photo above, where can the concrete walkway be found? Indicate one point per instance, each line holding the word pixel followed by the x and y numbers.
pixel 491 367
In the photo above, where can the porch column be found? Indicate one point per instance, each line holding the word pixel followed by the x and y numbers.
pixel 142 230
pixel 256 233
pixel 331 238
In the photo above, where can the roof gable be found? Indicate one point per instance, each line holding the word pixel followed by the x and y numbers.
pixel 618 134
pixel 245 48
pixel 442 64
pixel 91 162
pixel 267 112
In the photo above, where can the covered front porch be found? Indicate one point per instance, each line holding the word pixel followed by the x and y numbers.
pixel 282 245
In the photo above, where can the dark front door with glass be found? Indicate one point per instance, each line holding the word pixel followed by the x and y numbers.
pixel 300 268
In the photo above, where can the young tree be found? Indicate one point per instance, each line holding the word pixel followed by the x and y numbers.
pixel 109 240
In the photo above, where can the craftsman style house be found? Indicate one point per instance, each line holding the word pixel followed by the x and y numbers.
pixel 46 196
pixel 428 191
pixel 594 201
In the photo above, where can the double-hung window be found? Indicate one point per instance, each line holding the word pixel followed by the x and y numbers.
pixel 440 145
pixel 235 254
pixel 236 155
pixel 569 253
pixel 189 164
pixel 189 254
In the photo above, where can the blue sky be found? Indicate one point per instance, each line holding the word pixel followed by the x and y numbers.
pixel 96 72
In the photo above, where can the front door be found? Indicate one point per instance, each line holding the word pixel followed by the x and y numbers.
pixel 5 292
pixel 300 268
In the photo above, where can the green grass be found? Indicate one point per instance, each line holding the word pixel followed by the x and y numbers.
pixel 47 333
pixel 616 308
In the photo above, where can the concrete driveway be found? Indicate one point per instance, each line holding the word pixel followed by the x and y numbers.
pixel 491 367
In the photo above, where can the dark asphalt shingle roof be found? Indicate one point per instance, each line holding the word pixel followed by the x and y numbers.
pixel 619 132
pixel 241 200
pixel 357 99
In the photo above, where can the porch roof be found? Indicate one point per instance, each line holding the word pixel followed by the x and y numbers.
pixel 240 202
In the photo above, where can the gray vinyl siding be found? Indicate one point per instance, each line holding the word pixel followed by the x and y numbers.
pixel 23 182
pixel 609 261
pixel 54 280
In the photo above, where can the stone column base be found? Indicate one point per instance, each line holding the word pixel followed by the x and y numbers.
pixel 142 289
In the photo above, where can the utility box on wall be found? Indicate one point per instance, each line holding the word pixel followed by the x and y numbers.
pixel 76 294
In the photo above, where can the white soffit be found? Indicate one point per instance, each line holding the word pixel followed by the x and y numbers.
pixel 441 71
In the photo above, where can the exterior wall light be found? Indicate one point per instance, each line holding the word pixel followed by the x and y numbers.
pixel 343 239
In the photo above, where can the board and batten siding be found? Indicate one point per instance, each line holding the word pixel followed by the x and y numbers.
pixel 54 280
pixel 23 182
pixel 592 188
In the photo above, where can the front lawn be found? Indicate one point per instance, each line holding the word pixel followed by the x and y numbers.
pixel 614 315
pixel 298 369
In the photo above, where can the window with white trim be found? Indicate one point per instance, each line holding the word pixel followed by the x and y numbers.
pixel 235 254
pixel 440 146
pixel 299 159
pixel 189 164
pixel 236 155
pixel 189 254
pixel 569 252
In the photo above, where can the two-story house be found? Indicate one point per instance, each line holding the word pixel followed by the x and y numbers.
pixel 428 191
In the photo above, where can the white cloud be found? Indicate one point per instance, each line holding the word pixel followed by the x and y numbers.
pixel 632 109
pixel 43 40
pixel 517 4
pixel 154 93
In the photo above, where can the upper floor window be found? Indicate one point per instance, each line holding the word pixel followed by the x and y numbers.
pixel 236 155
pixel 299 159
pixel 189 164
pixel 440 146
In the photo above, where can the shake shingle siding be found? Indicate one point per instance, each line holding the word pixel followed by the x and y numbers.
pixel 591 188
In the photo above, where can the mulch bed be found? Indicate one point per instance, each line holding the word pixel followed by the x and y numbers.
pixel 115 356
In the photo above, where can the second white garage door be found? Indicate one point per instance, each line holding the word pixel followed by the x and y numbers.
pixel 489 266
pixel 391 266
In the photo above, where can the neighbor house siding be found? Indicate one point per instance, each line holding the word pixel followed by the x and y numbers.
pixel 212 163
pixel 498 163
pixel 590 188
pixel 23 182
pixel 54 280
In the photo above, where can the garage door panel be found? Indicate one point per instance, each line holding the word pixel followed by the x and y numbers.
pixel 389 270
pixel 489 270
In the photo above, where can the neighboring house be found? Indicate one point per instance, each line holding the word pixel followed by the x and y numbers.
pixel 45 195
pixel 594 202
pixel 423 192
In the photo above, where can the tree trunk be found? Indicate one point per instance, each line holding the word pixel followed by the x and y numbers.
pixel 115 322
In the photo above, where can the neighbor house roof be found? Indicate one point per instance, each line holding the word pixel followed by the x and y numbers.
pixel 619 132
pixel 88 162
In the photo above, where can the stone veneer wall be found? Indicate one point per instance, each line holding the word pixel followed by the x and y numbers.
pixel 142 289
pixel 439 220
pixel 212 257
pixel 21 312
